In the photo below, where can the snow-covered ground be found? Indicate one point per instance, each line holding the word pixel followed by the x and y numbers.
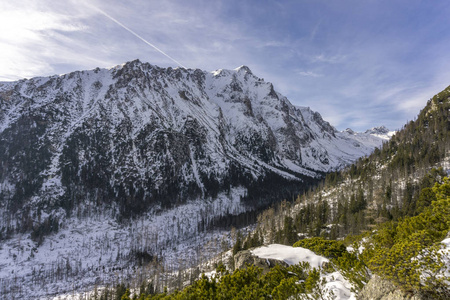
pixel 99 250
pixel 336 285
pixel 445 252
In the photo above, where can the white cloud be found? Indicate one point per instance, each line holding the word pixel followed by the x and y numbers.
pixel 308 73
pixel 33 37
pixel 331 59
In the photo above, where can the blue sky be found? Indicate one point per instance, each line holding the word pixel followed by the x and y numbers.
pixel 359 63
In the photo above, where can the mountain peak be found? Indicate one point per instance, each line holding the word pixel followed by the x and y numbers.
pixel 349 131
pixel 132 63
pixel 226 72
pixel 378 130
pixel 244 69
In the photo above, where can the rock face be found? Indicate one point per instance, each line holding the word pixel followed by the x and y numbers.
pixel 244 258
pixel 380 289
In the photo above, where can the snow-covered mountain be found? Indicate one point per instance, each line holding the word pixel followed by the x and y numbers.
pixel 139 140
pixel 381 131
pixel 143 134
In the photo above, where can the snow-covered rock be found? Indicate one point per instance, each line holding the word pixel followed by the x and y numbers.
pixel 335 287
pixel 380 131
pixel 290 255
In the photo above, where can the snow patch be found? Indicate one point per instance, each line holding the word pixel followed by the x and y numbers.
pixel 336 285
pixel 290 255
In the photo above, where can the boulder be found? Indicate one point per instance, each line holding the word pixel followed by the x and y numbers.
pixel 244 258
pixel 380 289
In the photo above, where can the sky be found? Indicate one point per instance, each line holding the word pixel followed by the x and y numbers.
pixel 360 64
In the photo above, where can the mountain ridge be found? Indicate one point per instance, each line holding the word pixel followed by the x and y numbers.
pixel 214 121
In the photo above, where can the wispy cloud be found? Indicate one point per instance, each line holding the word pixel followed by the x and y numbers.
pixel 315 30
pixel 33 37
pixel 332 59
pixel 308 73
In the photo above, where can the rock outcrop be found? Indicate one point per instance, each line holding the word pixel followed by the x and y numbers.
pixel 245 258
pixel 380 289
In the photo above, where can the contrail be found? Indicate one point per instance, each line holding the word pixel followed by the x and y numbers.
pixel 136 35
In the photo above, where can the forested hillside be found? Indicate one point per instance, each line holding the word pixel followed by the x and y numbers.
pixel 407 252
pixel 391 183
pixel 395 202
